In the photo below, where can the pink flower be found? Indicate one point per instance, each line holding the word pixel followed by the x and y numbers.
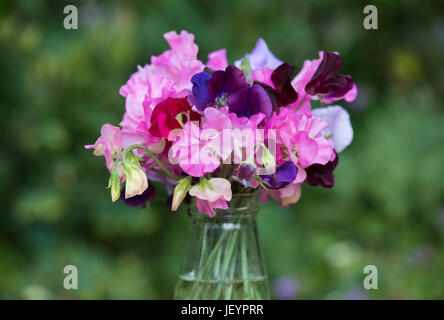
pixel 245 135
pixel 180 63
pixel 214 195
pixel 109 144
pixel 264 76
pixel 143 91
pixel 299 138
pixel 217 60
pixel 193 151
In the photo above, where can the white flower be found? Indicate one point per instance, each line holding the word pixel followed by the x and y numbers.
pixel 339 126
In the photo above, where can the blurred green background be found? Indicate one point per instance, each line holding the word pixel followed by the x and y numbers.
pixel 58 86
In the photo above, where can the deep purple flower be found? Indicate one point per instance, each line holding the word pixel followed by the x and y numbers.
pixel 140 200
pixel 285 174
pixel 326 81
pixel 284 93
pixel 248 101
pixel 232 85
pixel 281 78
pixel 226 82
pixel 245 174
pixel 322 174
pixel 200 90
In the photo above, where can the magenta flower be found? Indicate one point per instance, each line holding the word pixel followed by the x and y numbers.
pixel 299 138
pixel 164 116
pixel 194 152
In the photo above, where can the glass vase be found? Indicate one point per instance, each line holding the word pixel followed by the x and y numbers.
pixel 223 260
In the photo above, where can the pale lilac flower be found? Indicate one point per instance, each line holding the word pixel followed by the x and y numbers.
pixel 339 128
pixel 261 57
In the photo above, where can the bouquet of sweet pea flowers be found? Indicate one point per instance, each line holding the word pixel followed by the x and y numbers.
pixel 208 131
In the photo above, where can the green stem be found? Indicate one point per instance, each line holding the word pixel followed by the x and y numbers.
pixel 300 104
pixel 197 287
pixel 228 257
pixel 229 290
pixel 167 172
pixel 245 264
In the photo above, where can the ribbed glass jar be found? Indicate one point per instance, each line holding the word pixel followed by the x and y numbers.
pixel 223 259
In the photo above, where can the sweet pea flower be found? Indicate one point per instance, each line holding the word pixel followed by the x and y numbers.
pixel 320 77
pixel 211 194
pixel 200 92
pixel 285 174
pixel 180 192
pixel 143 91
pixel 327 81
pixel 318 174
pixel 230 84
pixel 193 152
pixel 245 175
pixel 180 63
pixel 286 196
pixel 164 116
pixel 299 138
pixel 137 132
pixel 217 60
pixel 109 144
pixel 261 57
pixel 281 91
pixel 136 180
pixel 339 127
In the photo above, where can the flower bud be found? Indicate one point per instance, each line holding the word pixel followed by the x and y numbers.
pixel 136 180
pixel 180 192
pixel 245 174
pixel 114 185
pixel 268 160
